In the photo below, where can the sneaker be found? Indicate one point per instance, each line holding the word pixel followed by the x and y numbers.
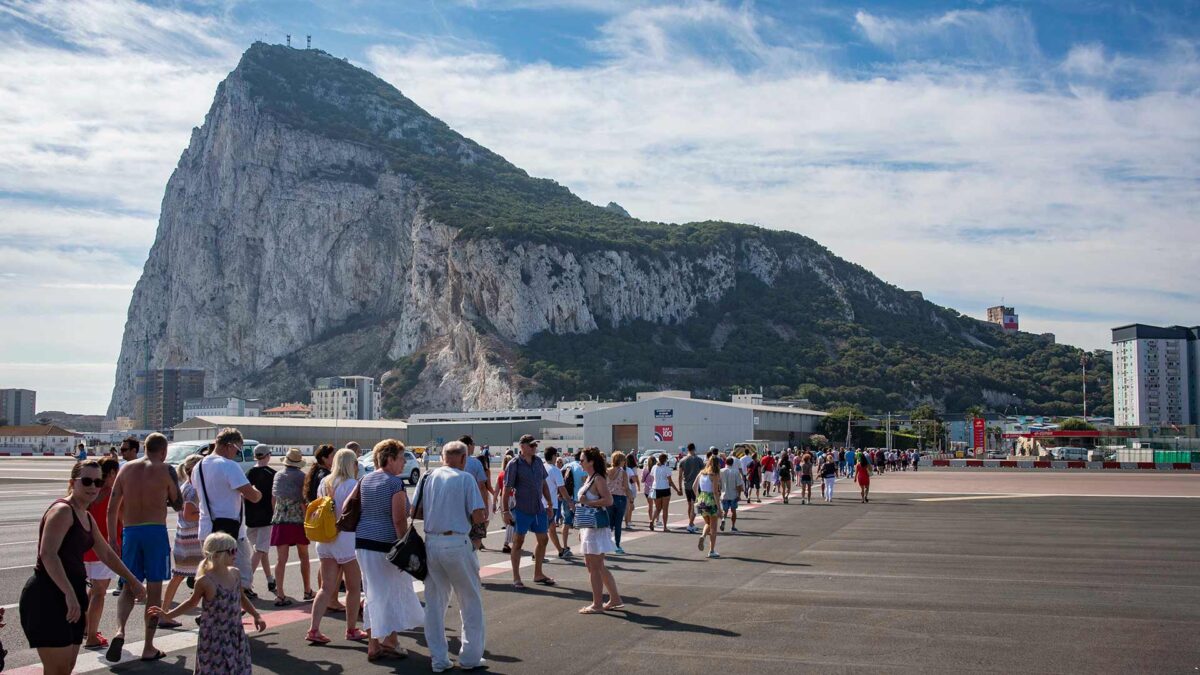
pixel 722 524
pixel 619 551
pixel 733 529
pixel 691 529
pixel 700 543
pixel 566 554
pixel 714 554
pixel 482 663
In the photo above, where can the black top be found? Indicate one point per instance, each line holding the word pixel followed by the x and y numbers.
pixel 75 543
pixel 315 483
pixel 259 513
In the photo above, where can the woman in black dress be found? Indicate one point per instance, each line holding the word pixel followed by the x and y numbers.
pixel 54 601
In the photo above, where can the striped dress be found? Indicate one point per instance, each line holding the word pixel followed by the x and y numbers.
pixel 188 547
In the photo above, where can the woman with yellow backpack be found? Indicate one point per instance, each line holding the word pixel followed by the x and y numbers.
pixel 335 548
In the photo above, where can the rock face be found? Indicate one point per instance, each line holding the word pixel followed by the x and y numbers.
pixel 293 244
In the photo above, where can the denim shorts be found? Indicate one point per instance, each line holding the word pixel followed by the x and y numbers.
pixel 729 504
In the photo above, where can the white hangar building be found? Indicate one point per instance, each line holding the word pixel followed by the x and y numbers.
pixel 670 419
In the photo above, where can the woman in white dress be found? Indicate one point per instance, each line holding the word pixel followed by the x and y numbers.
pixel 392 604
pixel 596 541
pixel 337 557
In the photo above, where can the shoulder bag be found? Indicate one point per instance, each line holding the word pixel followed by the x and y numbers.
pixel 230 526
pixel 590 516
pixel 351 509
pixel 408 553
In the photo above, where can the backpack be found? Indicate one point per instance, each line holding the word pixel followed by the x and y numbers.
pixel 320 525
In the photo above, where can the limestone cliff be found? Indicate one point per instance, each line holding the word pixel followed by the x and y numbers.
pixel 319 223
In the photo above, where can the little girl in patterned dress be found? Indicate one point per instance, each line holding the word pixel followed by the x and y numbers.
pixel 222 646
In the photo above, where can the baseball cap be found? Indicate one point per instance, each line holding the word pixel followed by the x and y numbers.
pixel 528 439
pixel 261 451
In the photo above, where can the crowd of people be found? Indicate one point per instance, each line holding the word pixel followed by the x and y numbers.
pixel 113 525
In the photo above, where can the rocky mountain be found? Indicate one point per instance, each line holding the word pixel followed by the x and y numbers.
pixel 320 223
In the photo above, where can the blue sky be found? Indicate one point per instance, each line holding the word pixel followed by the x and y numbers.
pixel 1046 154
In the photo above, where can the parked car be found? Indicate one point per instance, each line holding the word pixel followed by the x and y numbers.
pixel 1068 453
pixel 412 465
pixel 179 450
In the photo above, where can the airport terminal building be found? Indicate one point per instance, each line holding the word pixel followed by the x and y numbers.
pixel 670 419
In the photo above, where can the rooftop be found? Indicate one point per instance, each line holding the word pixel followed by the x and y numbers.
pixel 36 430
pixel 308 422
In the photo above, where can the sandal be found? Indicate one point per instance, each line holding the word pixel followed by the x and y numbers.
pixel 591 610
pixel 335 608
pixel 316 637
pixel 545 581
pixel 309 595
pixel 283 601
pixel 519 585
pixel 616 607
pixel 357 635
pixel 170 625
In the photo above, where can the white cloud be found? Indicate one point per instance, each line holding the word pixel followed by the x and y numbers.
pixel 997 33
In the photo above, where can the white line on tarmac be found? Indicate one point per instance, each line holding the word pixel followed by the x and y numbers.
pixel 993 495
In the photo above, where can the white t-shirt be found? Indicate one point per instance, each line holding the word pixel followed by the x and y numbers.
pixel 222 478
pixel 447 500
pixel 554 480
pixel 662 477
pixel 745 461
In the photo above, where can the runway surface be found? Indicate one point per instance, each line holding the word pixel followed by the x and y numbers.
pixel 941 572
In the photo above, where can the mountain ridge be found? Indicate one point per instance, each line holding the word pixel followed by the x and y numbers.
pixel 329 225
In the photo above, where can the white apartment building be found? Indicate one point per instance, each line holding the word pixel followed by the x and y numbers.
pixel 346 398
pixel 1156 372
pixel 221 406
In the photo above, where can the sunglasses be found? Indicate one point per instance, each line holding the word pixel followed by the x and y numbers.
pixel 232 552
pixel 88 481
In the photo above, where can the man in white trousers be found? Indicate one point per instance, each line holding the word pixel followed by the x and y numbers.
pixel 449 503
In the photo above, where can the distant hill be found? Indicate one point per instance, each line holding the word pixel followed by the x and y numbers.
pixel 321 223
pixel 71 421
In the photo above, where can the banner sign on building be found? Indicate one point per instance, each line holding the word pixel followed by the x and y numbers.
pixel 979 425
pixel 664 434
pixel 664 413
pixel 1010 322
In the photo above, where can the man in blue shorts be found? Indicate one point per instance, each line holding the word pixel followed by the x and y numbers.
pixel 140 496
pixel 526 477
pixel 732 484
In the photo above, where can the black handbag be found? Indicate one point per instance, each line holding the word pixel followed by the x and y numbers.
pixel 408 553
pixel 230 526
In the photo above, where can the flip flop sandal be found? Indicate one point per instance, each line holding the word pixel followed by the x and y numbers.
pixel 309 595
pixel 316 638
pixel 520 586
pixel 613 608
pixel 170 624
pixel 158 656
pixel 545 581
pixel 283 602
pixel 591 610
pixel 114 649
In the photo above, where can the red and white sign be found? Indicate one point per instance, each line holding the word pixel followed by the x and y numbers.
pixel 1010 322
pixel 980 431
pixel 664 434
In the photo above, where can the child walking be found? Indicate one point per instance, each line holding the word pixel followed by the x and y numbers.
pixel 222 646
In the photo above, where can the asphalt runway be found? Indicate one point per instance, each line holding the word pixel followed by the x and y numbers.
pixel 915 581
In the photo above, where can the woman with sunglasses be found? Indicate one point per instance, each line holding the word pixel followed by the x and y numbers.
pixel 222 646
pixel 54 601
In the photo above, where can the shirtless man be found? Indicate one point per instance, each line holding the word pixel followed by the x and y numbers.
pixel 140 496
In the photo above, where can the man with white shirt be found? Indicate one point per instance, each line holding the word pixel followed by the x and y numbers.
pixel 450 503
pixel 222 487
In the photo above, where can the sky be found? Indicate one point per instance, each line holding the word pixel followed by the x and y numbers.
pixel 1043 154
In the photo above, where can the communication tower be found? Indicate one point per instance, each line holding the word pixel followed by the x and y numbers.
pixel 289 39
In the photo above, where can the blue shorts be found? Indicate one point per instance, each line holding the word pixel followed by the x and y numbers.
pixel 569 514
pixel 146 551
pixel 729 504
pixel 525 522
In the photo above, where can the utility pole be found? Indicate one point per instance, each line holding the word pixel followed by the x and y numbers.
pixel 1083 362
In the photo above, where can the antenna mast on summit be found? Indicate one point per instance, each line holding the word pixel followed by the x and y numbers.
pixel 308 42
pixel 289 39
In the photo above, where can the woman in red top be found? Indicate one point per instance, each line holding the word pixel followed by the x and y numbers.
pixel 99 575
pixel 863 477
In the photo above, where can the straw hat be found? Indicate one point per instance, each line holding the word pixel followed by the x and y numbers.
pixel 294 458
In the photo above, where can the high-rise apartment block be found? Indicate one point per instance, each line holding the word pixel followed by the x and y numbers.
pixel 158 395
pixel 347 398
pixel 17 406
pixel 1156 372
